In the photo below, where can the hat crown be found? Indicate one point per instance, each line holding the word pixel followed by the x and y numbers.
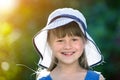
pixel 67 11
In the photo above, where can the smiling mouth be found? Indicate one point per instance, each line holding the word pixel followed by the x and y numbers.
pixel 68 53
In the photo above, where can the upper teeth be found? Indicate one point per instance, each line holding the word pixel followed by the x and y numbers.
pixel 67 52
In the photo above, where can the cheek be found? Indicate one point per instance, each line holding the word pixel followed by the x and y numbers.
pixel 55 48
pixel 80 46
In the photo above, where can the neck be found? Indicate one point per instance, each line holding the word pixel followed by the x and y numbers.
pixel 68 68
pixel 68 72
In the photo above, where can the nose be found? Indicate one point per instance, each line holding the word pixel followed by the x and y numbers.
pixel 67 45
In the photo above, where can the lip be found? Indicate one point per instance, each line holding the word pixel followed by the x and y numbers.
pixel 68 53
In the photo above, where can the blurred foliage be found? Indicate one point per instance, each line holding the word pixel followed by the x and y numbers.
pixel 18 29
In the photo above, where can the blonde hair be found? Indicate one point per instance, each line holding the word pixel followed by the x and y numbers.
pixel 70 29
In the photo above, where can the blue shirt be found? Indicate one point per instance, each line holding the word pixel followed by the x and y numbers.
pixel 91 75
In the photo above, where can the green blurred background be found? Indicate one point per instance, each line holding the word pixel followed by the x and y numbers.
pixel 19 24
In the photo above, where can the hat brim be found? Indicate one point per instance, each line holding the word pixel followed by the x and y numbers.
pixel 93 53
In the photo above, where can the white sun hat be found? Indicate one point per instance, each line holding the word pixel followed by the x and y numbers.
pixel 56 19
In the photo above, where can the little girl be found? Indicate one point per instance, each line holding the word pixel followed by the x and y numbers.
pixel 66 49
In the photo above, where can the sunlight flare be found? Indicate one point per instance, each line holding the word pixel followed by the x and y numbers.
pixel 7 6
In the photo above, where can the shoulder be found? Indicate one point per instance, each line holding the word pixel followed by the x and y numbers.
pixel 101 77
pixel 46 78
pixel 43 75
pixel 91 73
pixel 94 75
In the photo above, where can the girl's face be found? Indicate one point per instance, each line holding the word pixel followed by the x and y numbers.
pixel 67 43
pixel 67 49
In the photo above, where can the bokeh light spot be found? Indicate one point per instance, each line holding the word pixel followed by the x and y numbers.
pixel 5 28
pixel 5 66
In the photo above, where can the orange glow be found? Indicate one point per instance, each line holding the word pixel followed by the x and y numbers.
pixel 7 6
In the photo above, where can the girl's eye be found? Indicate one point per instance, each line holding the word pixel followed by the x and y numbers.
pixel 74 39
pixel 60 40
